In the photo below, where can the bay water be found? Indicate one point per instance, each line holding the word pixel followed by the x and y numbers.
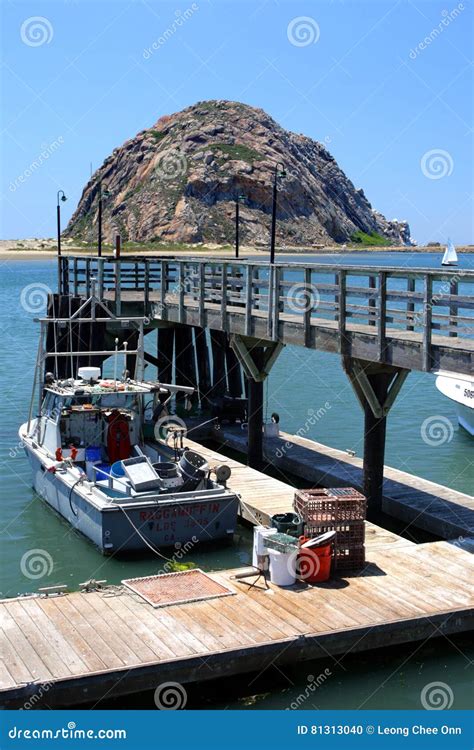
pixel 303 383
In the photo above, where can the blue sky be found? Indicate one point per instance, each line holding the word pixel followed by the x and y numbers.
pixel 394 110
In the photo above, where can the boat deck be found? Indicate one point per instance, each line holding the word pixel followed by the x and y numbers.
pixel 83 647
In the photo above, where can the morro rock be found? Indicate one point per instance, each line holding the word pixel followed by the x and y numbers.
pixel 178 181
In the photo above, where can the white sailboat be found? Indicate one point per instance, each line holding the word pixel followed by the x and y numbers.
pixel 450 257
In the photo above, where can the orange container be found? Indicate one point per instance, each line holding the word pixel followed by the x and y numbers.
pixel 314 563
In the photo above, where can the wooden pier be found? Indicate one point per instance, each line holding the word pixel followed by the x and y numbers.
pixel 83 647
pixel 427 505
pixel 382 322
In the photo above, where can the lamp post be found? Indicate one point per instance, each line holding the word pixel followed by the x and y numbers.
pixel 278 173
pixel 237 219
pixel 102 195
pixel 61 197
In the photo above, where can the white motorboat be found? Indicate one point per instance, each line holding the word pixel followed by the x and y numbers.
pixel 450 257
pixel 460 389
pixel 99 456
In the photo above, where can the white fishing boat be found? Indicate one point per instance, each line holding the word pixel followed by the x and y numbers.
pixel 100 457
pixel 450 257
pixel 459 388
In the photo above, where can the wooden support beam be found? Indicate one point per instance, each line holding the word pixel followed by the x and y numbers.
pixel 255 415
pixel 376 387
pixel 244 348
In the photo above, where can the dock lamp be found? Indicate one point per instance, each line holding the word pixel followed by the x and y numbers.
pixel 237 219
pixel 279 173
pixel 103 193
pixel 61 198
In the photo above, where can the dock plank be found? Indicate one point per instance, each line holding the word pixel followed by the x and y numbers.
pixel 439 510
pixel 112 642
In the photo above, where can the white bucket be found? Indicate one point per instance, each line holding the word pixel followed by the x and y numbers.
pixel 259 551
pixel 282 567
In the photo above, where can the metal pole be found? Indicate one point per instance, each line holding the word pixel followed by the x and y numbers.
pixel 274 206
pixel 99 243
pixel 58 222
pixel 60 196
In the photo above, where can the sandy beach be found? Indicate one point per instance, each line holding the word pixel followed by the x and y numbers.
pixel 40 249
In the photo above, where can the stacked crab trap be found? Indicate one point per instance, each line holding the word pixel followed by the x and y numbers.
pixel 340 509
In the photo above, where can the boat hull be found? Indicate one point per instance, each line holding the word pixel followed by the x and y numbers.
pixel 132 527
pixel 460 390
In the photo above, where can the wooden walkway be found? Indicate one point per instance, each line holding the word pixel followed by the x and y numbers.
pixel 441 511
pixel 80 647
pixel 411 318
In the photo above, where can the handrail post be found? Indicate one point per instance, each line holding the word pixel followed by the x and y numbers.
pixel 202 293
pixel 181 291
pixel 341 315
pixel 427 319
pixel 271 282
pixel 248 299
pixel 453 309
pixel 100 278
pixel 372 302
pixel 88 277
pixel 163 275
pixel 276 302
pixel 118 287
pixel 146 281
pixel 223 296
pixel 382 314
pixel 411 282
pixel 308 307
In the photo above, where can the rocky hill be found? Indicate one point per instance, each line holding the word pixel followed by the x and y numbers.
pixel 177 182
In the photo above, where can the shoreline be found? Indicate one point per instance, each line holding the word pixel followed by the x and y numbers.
pixel 35 253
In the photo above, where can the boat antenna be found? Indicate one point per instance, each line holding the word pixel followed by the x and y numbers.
pixel 125 344
pixel 115 361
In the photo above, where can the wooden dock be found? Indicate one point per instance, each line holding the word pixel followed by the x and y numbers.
pixel 82 647
pixel 429 506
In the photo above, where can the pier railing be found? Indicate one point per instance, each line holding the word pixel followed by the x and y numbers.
pixel 417 305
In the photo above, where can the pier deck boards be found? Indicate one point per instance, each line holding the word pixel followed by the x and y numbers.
pixel 83 646
pixel 430 506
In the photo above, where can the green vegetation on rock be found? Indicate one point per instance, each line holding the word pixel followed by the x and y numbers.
pixel 238 152
pixel 374 239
